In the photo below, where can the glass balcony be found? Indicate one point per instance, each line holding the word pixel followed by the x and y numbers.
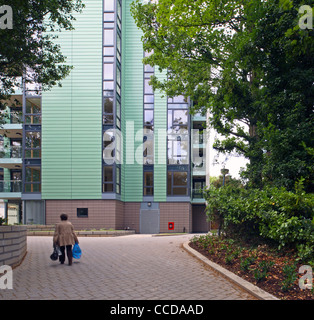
pixel 9 186
pixel 197 194
pixel 13 117
pixel 11 157
pixel 12 152
pixel 12 124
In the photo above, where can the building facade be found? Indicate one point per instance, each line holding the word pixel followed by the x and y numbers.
pixel 104 148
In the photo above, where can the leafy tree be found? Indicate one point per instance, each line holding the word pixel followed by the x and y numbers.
pixel 250 65
pixel 28 47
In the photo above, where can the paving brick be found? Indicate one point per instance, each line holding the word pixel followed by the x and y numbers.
pixel 119 268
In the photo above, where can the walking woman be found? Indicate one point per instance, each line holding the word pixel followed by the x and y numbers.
pixel 65 237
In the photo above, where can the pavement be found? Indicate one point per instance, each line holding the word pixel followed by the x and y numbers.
pixel 132 267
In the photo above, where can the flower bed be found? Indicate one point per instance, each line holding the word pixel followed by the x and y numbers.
pixel 275 272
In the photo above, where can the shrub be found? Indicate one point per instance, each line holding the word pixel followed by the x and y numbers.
pixel 276 215
pixel 290 274
pixel 246 263
pixel 262 269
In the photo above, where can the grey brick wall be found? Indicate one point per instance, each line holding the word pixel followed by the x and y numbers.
pixel 13 244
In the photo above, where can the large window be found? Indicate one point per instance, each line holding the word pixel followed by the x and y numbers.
pixel 148 125
pixel 112 55
pixel 177 183
pixel 33 144
pixel 33 111
pixel 32 179
pixel 178 137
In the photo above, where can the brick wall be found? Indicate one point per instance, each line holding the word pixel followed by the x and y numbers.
pixel 118 215
pixel 13 245
pixel 132 216
pixel 177 212
pixel 101 213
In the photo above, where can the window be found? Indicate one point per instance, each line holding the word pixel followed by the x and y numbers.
pixel 82 212
pixel 177 183
pixel 178 137
pixel 118 179
pixel 108 71
pixel 32 179
pixel 109 5
pixel 108 37
pixel 33 111
pixel 33 144
pixel 148 89
pixel 108 110
pixel 148 183
pixel 108 179
pixel 148 146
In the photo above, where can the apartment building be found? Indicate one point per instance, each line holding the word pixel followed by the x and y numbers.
pixel 104 148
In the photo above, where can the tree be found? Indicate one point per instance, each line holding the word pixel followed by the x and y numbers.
pixel 28 48
pixel 237 59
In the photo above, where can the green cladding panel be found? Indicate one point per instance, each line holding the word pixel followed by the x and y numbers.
pixel 72 114
pixel 132 108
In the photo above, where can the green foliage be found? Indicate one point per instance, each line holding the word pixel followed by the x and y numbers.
pixel 246 263
pixel 2 221
pixel 29 45
pixel 290 276
pixel 247 63
pixel 273 214
pixel 261 271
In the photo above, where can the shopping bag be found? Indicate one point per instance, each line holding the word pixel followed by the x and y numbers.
pixel 54 256
pixel 76 251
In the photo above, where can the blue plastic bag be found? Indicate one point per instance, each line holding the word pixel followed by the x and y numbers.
pixel 76 251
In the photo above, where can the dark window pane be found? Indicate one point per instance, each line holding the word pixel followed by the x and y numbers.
pixel 108 105
pixel 108 174
pixel 148 191
pixel 108 119
pixel 179 191
pixel 32 174
pixel 32 187
pixel 82 212
pixel 180 178
pixel 169 184
pixel 148 179
pixel 108 187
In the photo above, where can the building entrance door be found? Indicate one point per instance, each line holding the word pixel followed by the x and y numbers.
pixel 149 219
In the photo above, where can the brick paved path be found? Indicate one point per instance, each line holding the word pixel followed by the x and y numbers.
pixel 142 267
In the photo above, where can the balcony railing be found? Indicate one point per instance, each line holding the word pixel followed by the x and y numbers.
pixel 11 186
pixel 11 152
pixel 13 117
pixel 197 194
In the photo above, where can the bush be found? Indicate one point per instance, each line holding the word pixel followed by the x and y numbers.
pixel 275 215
